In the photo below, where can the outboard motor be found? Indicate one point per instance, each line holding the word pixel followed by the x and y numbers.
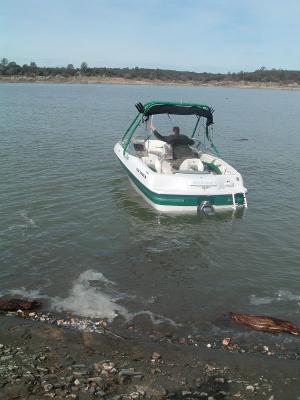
pixel 206 208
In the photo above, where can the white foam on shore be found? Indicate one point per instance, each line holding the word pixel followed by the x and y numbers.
pixel 94 296
pixel 258 301
pixel 280 296
pixel 156 319
pixel 24 293
pixel 286 295
pixel 87 300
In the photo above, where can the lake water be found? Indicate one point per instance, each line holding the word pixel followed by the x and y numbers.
pixel 73 231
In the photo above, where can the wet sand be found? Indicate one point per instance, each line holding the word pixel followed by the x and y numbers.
pixel 42 356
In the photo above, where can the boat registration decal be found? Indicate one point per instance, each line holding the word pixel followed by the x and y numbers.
pixel 141 173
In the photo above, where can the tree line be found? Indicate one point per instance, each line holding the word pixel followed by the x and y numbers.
pixel 263 75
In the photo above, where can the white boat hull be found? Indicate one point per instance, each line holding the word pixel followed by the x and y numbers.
pixel 182 192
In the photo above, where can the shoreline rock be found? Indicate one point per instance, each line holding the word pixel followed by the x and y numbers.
pixel 15 304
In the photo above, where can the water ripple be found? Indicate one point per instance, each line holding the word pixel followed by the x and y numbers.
pixel 67 207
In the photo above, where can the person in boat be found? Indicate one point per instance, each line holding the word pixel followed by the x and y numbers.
pixel 179 143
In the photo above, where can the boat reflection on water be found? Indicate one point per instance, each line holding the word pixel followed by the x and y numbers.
pixel 128 199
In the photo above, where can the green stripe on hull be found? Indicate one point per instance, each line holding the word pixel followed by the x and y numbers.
pixel 184 200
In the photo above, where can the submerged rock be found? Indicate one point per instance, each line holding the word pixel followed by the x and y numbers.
pixel 266 324
pixel 15 304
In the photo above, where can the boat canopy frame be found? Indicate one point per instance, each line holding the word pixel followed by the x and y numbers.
pixel 165 107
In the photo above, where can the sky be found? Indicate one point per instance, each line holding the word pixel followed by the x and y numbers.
pixel 195 35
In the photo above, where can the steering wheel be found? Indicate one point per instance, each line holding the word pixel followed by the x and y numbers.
pixel 198 143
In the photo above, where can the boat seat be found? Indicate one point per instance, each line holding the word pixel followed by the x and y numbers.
pixel 192 164
pixel 150 160
pixel 159 148
pixel 220 165
pixel 163 167
pixel 215 164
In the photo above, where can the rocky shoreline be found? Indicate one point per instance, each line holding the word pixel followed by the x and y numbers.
pixel 46 356
pixel 123 81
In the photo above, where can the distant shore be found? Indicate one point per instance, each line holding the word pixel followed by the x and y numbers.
pixel 124 81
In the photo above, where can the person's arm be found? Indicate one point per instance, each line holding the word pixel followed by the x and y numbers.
pixel 191 141
pixel 158 135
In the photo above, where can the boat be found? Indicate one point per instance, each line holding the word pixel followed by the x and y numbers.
pixel 201 182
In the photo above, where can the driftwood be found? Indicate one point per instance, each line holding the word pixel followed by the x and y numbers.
pixel 15 304
pixel 266 324
pixel 110 332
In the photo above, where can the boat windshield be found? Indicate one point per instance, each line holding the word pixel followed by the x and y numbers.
pixel 158 119
pixel 190 126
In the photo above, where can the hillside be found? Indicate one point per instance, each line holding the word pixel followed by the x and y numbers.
pixel 12 72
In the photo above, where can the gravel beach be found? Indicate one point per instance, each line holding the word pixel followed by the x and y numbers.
pixel 44 357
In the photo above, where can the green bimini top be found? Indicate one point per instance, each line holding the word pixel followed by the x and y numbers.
pixel 165 107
